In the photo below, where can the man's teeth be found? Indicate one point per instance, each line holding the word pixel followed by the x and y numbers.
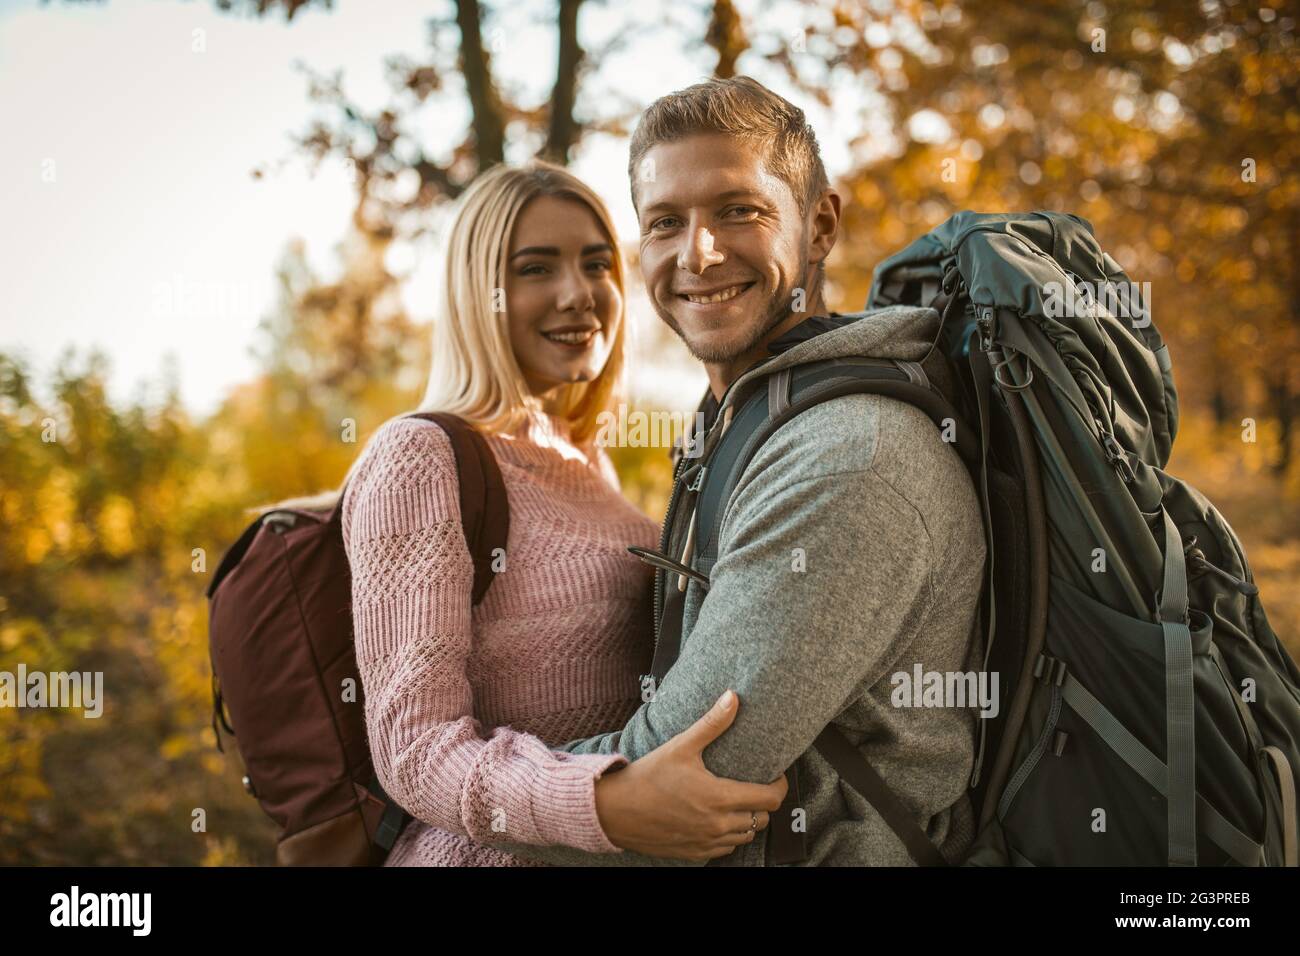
pixel 722 296
pixel 570 338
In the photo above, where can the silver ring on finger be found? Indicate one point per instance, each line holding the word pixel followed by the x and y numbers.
pixel 753 820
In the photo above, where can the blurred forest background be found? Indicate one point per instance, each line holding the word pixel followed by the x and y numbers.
pixel 1173 126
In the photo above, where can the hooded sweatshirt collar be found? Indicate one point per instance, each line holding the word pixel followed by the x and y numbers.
pixel 895 332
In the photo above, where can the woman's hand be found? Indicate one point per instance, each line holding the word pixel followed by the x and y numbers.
pixel 668 804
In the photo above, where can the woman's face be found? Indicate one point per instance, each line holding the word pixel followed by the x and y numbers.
pixel 562 300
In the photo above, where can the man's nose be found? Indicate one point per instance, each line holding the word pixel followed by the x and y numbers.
pixel 698 253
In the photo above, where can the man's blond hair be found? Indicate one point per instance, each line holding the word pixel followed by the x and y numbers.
pixel 744 108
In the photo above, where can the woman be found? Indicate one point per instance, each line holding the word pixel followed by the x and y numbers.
pixel 461 702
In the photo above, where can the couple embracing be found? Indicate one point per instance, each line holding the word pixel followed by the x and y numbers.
pixel 515 731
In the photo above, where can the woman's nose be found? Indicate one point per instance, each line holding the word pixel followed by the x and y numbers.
pixel 576 295
pixel 698 253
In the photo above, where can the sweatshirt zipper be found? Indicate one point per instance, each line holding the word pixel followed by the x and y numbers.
pixel 670 518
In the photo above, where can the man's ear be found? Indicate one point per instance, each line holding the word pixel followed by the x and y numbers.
pixel 823 225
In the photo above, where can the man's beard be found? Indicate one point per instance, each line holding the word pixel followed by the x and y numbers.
pixel 777 313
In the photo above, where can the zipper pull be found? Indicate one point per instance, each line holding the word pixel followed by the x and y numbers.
pixel 665 563
pixel 987 326
pixel 1118 459
pixel 1116 455
pixel 1245 587
pixel 1196 557
pixel 692 477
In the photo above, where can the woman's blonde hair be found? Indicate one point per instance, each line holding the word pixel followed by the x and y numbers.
pixel 474 373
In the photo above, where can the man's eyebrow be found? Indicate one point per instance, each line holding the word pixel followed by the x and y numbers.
pixel 553 251
pixel 738 193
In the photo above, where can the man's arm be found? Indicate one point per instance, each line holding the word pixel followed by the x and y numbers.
pixel 798 646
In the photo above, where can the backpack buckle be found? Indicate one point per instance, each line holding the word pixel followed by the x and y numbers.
pixel 1050 670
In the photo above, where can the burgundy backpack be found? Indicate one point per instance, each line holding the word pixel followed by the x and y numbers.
pixel 280 639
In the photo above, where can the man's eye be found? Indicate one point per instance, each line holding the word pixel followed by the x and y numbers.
pixel 742 210
pixel 667 222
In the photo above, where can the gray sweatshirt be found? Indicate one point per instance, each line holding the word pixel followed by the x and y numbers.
pixel 886 519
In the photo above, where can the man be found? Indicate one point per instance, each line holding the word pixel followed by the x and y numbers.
pixel 852 547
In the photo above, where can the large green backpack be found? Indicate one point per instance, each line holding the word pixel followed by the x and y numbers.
pixel 1154 716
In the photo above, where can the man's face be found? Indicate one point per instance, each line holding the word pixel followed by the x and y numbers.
pixel 723 244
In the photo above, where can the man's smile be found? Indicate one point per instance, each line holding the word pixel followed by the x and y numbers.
pixel 723 294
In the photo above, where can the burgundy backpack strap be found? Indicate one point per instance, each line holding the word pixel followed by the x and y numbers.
pixel 484 508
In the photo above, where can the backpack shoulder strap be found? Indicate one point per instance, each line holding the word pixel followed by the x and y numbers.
pixel 484 507
pixel 485 521
pixel 790 392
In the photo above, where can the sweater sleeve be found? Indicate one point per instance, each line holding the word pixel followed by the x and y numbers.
pixel 411 581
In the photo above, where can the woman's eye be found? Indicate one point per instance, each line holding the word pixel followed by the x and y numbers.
pixel 532 269
pixel 600 265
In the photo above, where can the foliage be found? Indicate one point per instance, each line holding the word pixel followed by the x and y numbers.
pixel 114 515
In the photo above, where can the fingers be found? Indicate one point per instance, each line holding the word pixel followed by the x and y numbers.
pixel 741 828
pixel 712 725
pixel 738 795
pixel 727 845
pixel 741 822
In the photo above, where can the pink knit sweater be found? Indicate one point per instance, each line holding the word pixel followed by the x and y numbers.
pixel 461 704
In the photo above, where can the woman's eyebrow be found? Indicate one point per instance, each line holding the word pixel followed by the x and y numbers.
pixel 553 251
pixel 535 251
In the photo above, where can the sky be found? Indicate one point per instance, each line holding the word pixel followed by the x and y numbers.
pixel 132 222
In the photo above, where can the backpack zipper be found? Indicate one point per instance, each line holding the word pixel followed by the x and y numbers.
pixel 1035 755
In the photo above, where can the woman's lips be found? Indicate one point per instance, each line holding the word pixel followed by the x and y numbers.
pixel 577 339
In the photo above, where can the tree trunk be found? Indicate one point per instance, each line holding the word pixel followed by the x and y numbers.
pixel 1219 403
pixel 564 130
pixel 1283 406
pixel 489 128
